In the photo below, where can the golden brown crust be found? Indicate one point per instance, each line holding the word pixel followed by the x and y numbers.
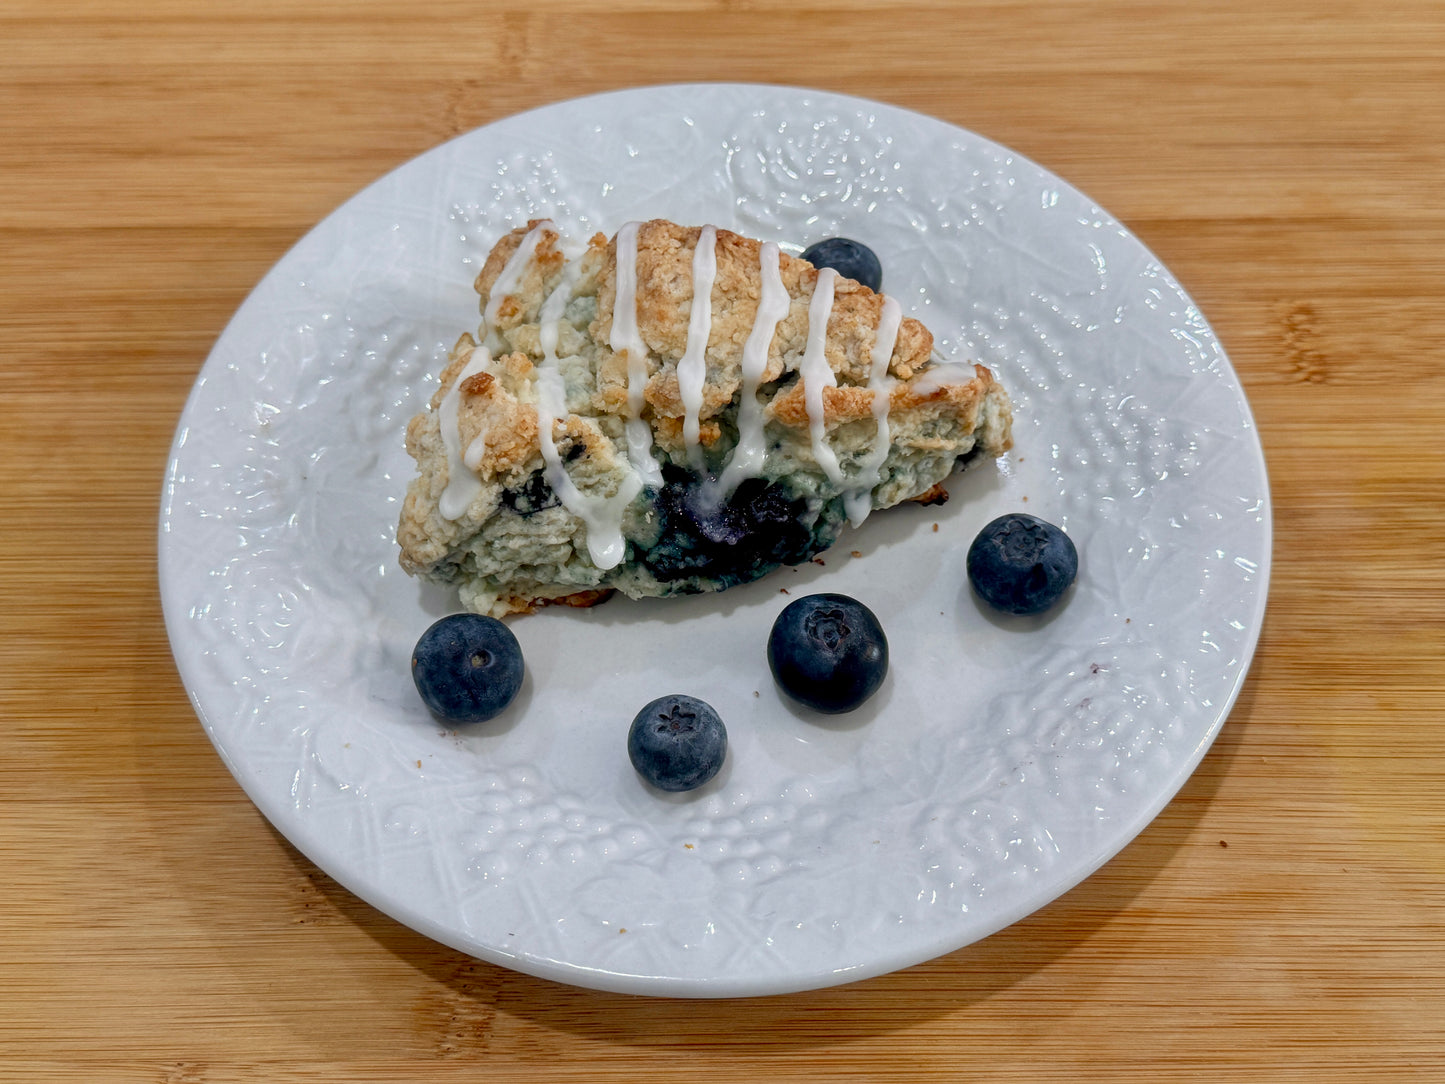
pixel 580 600
pixel 664 306
pixel 522 304
pixel 936 495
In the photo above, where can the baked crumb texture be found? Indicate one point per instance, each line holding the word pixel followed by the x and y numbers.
pixel 517 544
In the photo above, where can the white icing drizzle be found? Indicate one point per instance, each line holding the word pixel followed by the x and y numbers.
pixel 692 366
pixel 463 486
pixel 946 375
pixel 817 374
pixel 625 337
pixel 746 460
pixel 602 515
pixel 859 500
pixel 553 309
pixel 511 275
pixel 475 451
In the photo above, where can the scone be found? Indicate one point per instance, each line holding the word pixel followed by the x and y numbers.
pixel 673 411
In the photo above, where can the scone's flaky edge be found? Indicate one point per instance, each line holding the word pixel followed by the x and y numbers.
pixel 508 556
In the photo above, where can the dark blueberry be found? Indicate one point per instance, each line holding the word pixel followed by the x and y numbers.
pixel 677 742
pixel 467 668
pixel 533 495
pixel 791 532
pixel 701 535
pixel 713 519
pixel 851 259
pixel 828 652
pixel 1021 565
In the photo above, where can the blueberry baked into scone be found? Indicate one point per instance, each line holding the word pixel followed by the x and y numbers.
pixel 672 411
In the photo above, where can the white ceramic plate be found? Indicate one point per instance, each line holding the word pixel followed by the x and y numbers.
pixel 1003 761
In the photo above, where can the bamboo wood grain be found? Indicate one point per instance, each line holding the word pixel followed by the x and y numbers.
pixel 1282 920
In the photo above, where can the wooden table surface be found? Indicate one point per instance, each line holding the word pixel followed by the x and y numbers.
pixel 1282 920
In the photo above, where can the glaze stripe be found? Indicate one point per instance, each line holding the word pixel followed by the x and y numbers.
pixel 625 337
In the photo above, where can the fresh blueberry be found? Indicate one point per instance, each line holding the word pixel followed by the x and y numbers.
pixel 1021 565
pixel 851 259
pixel 828 652
pixel 467 668
pixel 677 742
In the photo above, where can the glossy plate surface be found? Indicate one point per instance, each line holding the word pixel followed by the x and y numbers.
pixel 1002 762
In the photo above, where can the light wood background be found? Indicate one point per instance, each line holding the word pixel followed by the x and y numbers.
pixel 1282 920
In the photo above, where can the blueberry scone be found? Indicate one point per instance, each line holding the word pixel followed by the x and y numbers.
pixel 675 410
